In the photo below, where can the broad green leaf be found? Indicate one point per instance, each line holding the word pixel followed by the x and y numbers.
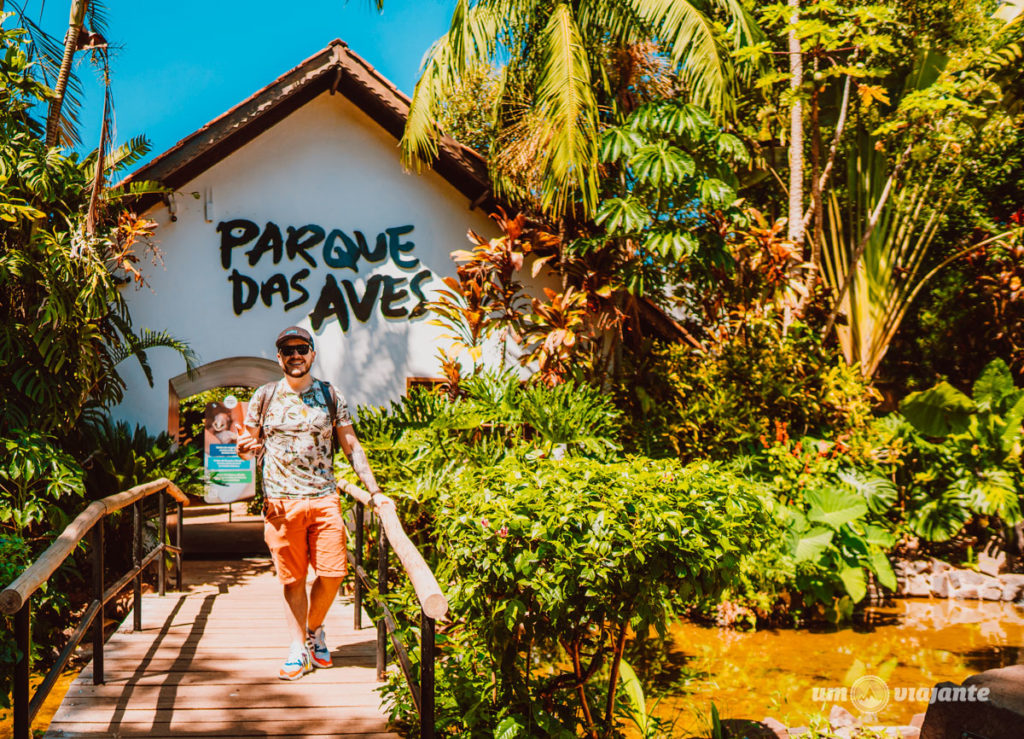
pixel 994 384
pixel 672 243
pixel 879 492
pixel 994 493
pixel 941 519
pixel 810 546
pixel 834 507
pixel 634 693
pixel 716 193
pixel 618 143
pixel 509 728
pixel 938 411
pixel 1012 431
pixel 882 569
pixel 619 215
pixel 853 581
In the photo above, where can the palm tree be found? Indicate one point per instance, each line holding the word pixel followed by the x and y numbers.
pixel 557 70
pixel 54 58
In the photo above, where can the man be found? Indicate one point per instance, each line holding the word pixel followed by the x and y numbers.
pixel 303 525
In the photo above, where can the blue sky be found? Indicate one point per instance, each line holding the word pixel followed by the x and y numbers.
pixel 180 64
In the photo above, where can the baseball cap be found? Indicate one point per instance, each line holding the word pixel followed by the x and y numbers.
pixel 294 332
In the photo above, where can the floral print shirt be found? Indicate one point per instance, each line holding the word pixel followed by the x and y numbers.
pixel 298 462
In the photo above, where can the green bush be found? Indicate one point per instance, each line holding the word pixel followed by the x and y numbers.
pixel 752 389
pixel 958 457
pixel 41 489
pixel 550 564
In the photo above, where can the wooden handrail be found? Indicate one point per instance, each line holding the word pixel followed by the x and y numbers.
pixel 432 600
pixel 14 595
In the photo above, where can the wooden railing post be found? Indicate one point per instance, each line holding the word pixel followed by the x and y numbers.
pixel 382 589
pixel 97 593
pixel 136 562
pixel 23 640
pixel 358 586
pixel 161 570
pixel 427 677
pixel 178 524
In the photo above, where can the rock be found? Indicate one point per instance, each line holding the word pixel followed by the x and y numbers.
pixel 918 586
pixel 965 592
pixel 989 704
pixel 991 592
pixel 917 720
pixel 1012 578
pixel 991 559
pixel 918 566
pixel 970 577
pixel 840 718
pixel 781 732
pixel 940 585
pixel 1010 591
pixel 939 566
pixel 796 731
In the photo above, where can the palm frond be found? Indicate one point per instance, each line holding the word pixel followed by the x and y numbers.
pixel 470 42
pixel 49 50
pixel 147 339
pixel 135 189
pixel 689 38
pixel 566 96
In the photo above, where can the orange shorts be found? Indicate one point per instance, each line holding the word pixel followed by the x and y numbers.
pixel 305 531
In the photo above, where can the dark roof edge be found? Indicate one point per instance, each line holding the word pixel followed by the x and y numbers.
pixel 334 68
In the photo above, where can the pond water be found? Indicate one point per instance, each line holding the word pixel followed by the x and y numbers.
pixel 783 673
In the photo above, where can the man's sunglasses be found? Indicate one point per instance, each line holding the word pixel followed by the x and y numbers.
pixel 301 350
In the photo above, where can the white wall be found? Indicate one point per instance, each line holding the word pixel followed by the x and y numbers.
pixel 326 164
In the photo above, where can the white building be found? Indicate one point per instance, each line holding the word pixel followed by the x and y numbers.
pixel 294 208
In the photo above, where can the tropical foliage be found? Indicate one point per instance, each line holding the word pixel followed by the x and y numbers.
pixel 68 247
pixel 551 547
pixel 563 63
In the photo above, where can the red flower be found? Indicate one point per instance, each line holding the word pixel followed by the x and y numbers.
pixel 485 523
pixel 503 531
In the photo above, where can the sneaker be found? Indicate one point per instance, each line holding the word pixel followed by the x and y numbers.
pixel 316 643
pixel 297 664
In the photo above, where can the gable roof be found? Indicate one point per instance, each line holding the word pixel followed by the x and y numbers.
pixel 334 69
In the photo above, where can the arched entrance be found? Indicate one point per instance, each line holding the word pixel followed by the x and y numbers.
pixel 243 371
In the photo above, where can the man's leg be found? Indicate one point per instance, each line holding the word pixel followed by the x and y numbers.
pixel 285 534
pixel 321 595
pixel 295 610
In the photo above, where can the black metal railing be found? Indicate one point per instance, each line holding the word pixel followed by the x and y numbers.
pixel 16 598
pixel 433 604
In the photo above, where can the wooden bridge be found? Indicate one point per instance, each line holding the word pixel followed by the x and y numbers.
pixel 204 661
pixel 205 664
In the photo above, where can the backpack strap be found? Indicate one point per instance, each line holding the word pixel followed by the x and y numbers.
pixel 267 395
pixel 327 389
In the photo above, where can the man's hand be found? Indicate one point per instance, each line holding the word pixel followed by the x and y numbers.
pixel 248 444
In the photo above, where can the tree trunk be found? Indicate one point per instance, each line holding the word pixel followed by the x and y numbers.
pixel 796 133
pixel 816 210
pixel 75 21
pixel 97 181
